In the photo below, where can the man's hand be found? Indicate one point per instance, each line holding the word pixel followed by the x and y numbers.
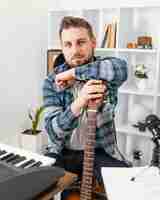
pixel 64 78
pixel 93 89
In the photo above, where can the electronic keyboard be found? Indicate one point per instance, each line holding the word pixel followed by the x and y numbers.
pixel 23 158
pixel 24 175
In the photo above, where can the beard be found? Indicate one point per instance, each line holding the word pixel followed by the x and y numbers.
pixel 78 59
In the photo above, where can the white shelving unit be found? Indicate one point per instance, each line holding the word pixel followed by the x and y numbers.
pixel 131 23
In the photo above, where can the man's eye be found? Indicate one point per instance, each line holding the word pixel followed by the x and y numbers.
pixel 81 42
pixel 68 45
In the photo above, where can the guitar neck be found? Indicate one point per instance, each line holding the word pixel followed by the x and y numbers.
pixel 89 154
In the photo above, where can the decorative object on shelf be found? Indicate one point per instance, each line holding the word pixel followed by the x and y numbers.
pixel 141 126
pixel 131 45
pixel 141 71
pixel 34 139
pixel 141 77
pixel 137 156
pixel 144 42
pixel 109 40
pixel 152 122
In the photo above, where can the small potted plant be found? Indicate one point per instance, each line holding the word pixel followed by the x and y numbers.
pixel 34 139
pixel 141 76
pixel 35 117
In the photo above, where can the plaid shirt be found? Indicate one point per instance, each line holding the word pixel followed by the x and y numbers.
pixel 59 119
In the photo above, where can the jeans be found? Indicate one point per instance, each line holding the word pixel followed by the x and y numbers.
pixel 72 161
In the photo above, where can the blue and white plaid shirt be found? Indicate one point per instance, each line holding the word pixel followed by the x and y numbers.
pixel 59 119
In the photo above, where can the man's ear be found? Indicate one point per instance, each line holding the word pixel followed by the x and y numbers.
pixel 94 43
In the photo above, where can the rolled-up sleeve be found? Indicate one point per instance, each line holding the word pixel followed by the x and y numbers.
pixel 107 69
pixel 112 70
pixel 120 71
pixel 58 122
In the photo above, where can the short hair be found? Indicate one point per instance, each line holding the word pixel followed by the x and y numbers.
pixel 76 22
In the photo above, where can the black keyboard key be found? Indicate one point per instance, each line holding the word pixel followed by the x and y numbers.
pixel 16 161
pixel 7 156
pixel 14 156
pixel 37 164
pixel 2 152
pixel 27 163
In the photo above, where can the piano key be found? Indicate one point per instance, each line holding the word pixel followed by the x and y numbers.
pixel 2 152
pixel 18 160
pixel 7 156
pixel 46 161
pixel 37 164
pixel 21 163
pixel 14 157
pixel 27 163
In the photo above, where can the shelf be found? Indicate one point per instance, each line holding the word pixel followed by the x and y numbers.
pixel 127 50
pixel 106 49
pixel 129 130
pixel 138 50
pixel 132 22
pixel 151 51
pixel 134 90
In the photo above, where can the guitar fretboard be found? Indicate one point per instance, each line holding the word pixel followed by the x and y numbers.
pixel 88 163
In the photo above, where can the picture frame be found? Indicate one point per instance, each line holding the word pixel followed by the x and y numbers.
pixel 51 56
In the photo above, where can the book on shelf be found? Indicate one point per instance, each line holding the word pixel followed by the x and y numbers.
pixel 109 39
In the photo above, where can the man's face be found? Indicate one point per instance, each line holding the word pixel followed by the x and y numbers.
pixel 77 46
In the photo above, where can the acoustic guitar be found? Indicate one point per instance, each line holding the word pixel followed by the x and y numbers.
pixel 90 189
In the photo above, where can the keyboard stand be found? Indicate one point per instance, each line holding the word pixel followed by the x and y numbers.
pixel 62 184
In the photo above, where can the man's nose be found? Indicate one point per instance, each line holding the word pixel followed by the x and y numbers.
pixel 75 49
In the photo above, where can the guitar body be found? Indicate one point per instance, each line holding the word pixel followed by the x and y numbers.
pixel 98 193
pixel 73 196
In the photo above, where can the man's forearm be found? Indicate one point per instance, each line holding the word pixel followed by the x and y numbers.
pixel 57 120
pixel 77 106
pixel 112 69
pixel 60 123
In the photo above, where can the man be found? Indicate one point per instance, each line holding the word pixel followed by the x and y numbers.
pixel 77 78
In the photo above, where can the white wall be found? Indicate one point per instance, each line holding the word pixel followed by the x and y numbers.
pixel 72 4
pixel 23 44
